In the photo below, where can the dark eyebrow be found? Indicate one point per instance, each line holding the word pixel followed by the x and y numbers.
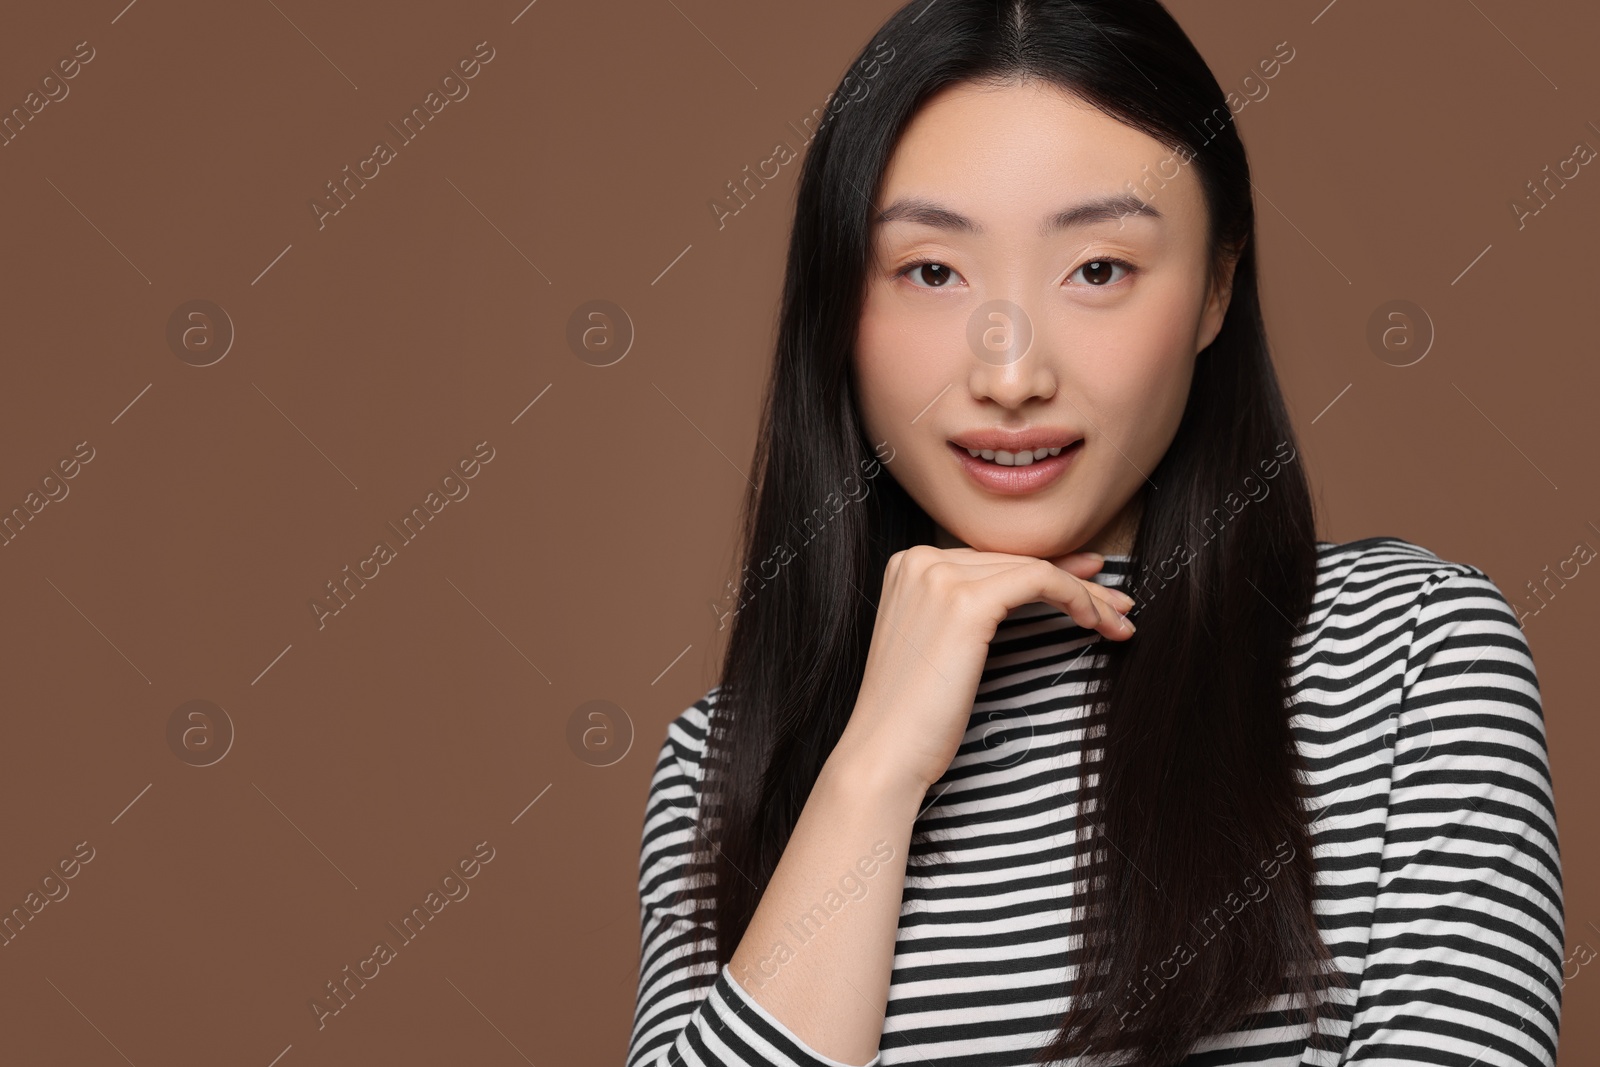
pixel 1100 209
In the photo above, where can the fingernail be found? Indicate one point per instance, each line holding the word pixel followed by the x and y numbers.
pixel 1127 623
pixel 1094 555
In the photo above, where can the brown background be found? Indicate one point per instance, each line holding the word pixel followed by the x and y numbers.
pixel 372 354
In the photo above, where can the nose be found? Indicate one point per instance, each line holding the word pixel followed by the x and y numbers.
pixel 1009 364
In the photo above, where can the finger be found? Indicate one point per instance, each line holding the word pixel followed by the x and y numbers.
pixel 1081 600
pixel 1098 613
pixel 966 552
pixel 1077 564
pixel 1093 607
pixel 1108 602
pixel 1124 603
pixel 1080 564
pixel 1118 600
pixel 1088 564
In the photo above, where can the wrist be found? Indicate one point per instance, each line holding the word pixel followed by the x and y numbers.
pixel 866 776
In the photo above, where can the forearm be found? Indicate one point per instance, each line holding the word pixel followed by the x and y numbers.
pixel 819 950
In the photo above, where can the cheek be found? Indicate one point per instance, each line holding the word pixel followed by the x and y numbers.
pixel 901 362
pixel 1137 381
pixel 867 371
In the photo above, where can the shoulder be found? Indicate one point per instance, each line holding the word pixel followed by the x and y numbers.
pixel 1407 663
pixel 1380 587
pixel 1391 563
pixel 679 757
pixel 672 802
pixel 1386 608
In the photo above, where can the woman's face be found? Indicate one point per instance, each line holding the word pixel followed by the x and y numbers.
pixel 985 315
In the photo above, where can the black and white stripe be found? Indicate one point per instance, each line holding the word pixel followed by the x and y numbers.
pixel 1438 872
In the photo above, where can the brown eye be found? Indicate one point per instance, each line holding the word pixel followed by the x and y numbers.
pixel 935 275
pixel 1097 272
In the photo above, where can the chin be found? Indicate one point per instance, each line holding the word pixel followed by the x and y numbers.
pixel 1039 544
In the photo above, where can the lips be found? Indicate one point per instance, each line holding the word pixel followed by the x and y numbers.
pixel 1014 479
pixel 1015 441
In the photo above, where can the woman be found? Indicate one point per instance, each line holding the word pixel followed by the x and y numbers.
pixel 946 805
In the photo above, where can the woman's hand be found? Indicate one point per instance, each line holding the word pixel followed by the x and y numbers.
pixel 939 610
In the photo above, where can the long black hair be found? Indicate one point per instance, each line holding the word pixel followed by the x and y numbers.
pixel 1197 785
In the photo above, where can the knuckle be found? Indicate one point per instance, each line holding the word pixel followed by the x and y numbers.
pixel 962 596
pixel 940 576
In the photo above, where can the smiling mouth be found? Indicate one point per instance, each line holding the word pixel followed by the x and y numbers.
pixel 1002 458
pixel 1015 478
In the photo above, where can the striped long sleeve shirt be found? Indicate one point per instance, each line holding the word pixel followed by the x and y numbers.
pixel 1438 884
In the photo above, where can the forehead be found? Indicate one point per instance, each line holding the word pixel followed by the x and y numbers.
pixel 1010 157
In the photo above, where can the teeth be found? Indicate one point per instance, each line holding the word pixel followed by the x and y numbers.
pixel 1008 459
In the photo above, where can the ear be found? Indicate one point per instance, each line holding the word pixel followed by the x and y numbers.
pixel 1217 301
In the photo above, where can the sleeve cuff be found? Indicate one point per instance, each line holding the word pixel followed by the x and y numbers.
pixel 763 1031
